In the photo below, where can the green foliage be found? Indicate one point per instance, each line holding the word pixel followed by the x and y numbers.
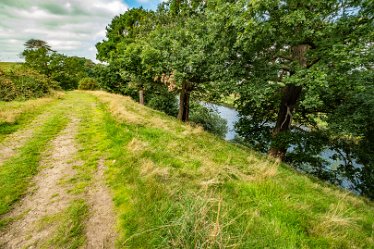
pixel 322 48
pixel 292 65
pixel 160 99
pixel 38 59
pixel 21 83
pixel 109 79
pixel 208 119
pixel 88 84
pixel 66 70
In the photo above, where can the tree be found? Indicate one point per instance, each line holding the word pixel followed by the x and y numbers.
pixel 181 40
pixel 123 47
pixel 67 71
pixel 34 44
pixel 290 51
pixel 37 56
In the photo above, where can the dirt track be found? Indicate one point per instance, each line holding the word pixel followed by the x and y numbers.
pixel 50 192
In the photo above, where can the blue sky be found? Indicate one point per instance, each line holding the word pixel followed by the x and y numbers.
pixel 71 27
pixel 147 4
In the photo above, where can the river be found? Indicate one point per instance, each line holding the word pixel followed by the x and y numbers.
pixel 232 117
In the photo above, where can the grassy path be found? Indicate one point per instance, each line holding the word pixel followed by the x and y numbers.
pixel 48 196
pixel 47 199
pixel 17 115
pixel 172 186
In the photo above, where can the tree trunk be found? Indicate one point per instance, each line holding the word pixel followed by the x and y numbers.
pixel 141 96
pixel 290 97
pixel 184 102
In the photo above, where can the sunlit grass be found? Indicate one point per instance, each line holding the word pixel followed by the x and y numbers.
pixel 15 115
pixel 176 186
pixel 15 174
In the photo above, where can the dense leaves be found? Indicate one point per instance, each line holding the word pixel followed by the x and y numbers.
pixel 20 83
pixel 66 70
pixel 302 71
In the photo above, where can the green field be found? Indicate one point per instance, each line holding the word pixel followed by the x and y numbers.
pixel 172 185
pixel 9 66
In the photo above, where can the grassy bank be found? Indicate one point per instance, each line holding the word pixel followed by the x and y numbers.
pixel 178 187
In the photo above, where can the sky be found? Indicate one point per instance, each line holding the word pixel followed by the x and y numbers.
pixel 70 27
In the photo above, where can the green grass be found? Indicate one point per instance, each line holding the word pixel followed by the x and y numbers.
pixel 178 187
pixel 70 232
pixel 15 173
pixel 9 66
pixel 70 223
pixel 16 115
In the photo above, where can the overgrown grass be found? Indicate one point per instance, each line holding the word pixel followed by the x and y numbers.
pixel 178 187
pixel 15 174
pixel 18 114
pixel 7 67
pixel 70 232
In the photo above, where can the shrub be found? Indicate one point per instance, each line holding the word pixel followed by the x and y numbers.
pixel 165 102
pixel 208 119
pixel 88 84
pixel 23 84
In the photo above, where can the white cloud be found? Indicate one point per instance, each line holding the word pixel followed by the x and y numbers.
pixel 72 27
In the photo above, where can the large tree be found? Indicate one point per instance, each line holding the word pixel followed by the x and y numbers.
pixel 184 47
pixel 123 46
pixel 37 55
pixel 299 59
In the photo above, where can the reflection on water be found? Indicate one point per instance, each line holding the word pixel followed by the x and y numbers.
pixel 229 114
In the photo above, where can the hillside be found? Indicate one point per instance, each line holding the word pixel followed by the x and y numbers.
pixel 171 185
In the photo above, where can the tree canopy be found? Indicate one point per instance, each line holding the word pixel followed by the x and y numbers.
pixel 66 70
pixel 302 71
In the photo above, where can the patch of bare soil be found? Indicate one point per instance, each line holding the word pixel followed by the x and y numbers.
pixel 16 140
pixel 100 227
pixel 47 197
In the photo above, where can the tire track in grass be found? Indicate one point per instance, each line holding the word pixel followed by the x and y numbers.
pixel 49 196
pixel 90 220
pixel 100 229
pixel 15 141
pixel 15 174
pixel 100 226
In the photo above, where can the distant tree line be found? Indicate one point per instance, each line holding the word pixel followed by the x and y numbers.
pixel 66 71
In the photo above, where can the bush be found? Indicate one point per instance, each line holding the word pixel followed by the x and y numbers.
pixel 164 103
pixel 208 119
pixel 88 84
pixel 23 84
